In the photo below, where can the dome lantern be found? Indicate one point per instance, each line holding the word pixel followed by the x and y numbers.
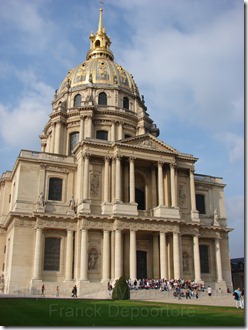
pixel 100 42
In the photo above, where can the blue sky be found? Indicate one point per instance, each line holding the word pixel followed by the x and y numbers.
pixel 186 56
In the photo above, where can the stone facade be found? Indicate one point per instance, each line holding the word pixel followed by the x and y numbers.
pixel 105 197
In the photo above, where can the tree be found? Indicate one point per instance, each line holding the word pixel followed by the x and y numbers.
pixel 121 290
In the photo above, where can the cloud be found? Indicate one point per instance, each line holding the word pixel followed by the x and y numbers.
pixel 234 144
pixel 21 123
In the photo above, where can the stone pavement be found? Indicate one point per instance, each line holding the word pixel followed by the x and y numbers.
pixel 217 299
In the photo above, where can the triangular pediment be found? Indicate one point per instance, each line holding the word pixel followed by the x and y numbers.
pixel 149 142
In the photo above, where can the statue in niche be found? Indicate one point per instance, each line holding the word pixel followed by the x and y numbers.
pixel 92 258
pixel 94 185
pixel 41 201
pixel 216 218
pixel 185 262
pixel 72 204
pixel 182 195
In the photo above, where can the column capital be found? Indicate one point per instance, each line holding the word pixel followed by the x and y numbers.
pixel 173 165
pixel 131 159
pixel 86 155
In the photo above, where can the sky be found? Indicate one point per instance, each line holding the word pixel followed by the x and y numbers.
pixel 186 56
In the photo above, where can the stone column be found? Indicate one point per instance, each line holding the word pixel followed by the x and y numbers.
pixel 163 261
pixel 160 184
pixel 89 126
pixel 86 177
pixel 133 266
pixel 106 256
pixel 81 132
pixel 69 256
pixel 57 138
pixel 113 131
pixel 84 256
pixel 37 254
pixel 155 255
pixel 118 179
pixel 113 254
pixel 176 257
pixel 106 180
pixel 218 260
pixel 197 265
pixel 192 190
pixel 153 192
pixel 132 180
pixel 173 185
pixel 120 131
pixel 118 254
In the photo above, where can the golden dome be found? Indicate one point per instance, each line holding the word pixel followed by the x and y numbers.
pixel 99 69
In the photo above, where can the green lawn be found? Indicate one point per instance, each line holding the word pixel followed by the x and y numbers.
pixel 77 312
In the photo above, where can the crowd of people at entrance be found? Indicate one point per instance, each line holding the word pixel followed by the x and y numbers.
pixel 165 285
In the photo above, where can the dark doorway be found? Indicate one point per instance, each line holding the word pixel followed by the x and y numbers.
pixel 140 199
pixel 141 264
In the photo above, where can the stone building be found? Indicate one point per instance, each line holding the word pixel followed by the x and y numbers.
pixel 105 197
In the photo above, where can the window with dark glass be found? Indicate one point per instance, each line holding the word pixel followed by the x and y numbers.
pixel 77 100
pixel 126 103
pixel 52 254
pixel 204 258
pixel 102 99
pixel 74 137
pixel 102 135
pixel 55 189
pixel 200 203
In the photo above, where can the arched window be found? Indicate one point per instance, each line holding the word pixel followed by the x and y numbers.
pixel 126 103
pixel 52 254
pixel 97 43
pixel 55 189
pixel 74 137
pixel 102 135
pixel 77 100
pixel 102 99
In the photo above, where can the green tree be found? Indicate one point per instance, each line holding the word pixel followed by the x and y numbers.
pixel 121 290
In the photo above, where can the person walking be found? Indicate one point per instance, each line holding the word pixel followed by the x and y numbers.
pixel 209 291
pixel 74 291
pixel 57 291
pixel 237 298
pixel 243 298
pixel 43 290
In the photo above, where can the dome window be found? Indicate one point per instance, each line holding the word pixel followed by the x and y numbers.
pixel 126 103
pixel 77 100
pixel 102 135
pixel 74 137
pixel 102 99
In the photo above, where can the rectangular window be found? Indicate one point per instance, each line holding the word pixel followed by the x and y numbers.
pixel 200 203
pixel 102 135
pixel 55 189
pixel 52 254
pixel 204 258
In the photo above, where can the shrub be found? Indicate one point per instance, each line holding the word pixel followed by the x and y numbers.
pixel 121 290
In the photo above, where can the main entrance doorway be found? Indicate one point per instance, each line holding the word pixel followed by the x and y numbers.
pixel 141 264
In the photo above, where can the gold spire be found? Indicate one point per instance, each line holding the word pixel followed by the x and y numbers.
pixel 100 25
pixel 100 42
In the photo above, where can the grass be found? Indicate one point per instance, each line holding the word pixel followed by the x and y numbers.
pixel 77 312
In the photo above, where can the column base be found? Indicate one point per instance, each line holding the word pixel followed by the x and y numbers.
pixel 84 207
pixel 221 285
pixel 107 208
pixel 195 216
